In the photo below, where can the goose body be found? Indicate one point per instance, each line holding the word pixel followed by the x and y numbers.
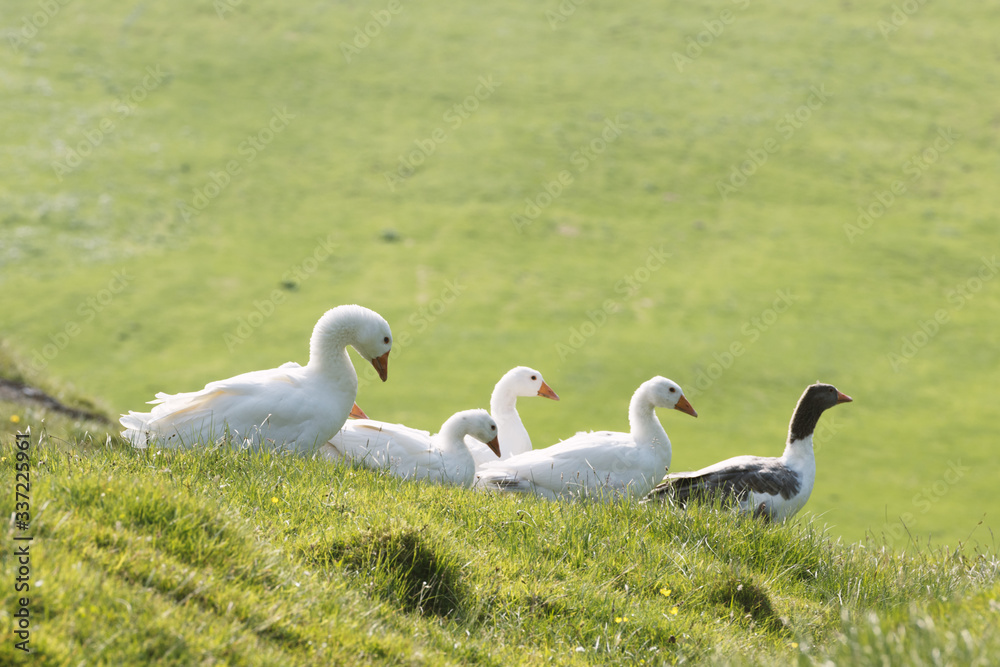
pixel 519 381
pixel 291 407
pixel 415 454
pixel 772 487
pixel 598 461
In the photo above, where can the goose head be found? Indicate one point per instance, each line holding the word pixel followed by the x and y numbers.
pixel 664 393
pixel 477 423
pixel 824 396
pixel 363 329
pixel 816 399
pixel 374 342
pixel 524 381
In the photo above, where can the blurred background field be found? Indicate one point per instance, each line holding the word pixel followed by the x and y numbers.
pixel 185 189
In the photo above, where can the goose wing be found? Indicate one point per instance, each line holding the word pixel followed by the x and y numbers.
pixel 736 477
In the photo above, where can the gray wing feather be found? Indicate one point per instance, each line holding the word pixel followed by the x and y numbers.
pixel 502 481
pixel 735 477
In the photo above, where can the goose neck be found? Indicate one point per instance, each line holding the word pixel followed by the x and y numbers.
pixel 503 402
pixel 337 329
pixel 457 458
pixel 799 455
pixel 804 420
pixel 334 364
pixel 645 425
pixel 451 439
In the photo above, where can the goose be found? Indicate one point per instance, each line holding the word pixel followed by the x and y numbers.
pixel 407 453
pixel 773 488
pixel 519 381
pixel 589 463
pixel 294 408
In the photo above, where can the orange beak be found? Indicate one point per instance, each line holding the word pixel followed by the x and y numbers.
pixel 494 445
pixel 357 413
pixel 684 406
pixel 546 391
pixel 381 365
pixel 843 398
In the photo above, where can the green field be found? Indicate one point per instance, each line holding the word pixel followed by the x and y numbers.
pixel 185 189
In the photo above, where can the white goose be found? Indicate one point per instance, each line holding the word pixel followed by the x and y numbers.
pixel 292 407
pixel 587 463
pixel 407 453
pixel 519 381
pixel 775 488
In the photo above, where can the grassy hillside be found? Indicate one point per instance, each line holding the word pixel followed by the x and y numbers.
pixel 226 558
pixel 175 172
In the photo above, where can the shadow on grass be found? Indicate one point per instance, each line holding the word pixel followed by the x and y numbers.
pixel 403 565
pixel 747 600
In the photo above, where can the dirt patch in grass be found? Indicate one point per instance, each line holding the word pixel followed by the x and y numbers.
pixel 15 392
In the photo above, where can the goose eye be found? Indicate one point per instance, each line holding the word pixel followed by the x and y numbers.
pixel 386 340
pixel 534 377
pixel 672 390
pixel 493 428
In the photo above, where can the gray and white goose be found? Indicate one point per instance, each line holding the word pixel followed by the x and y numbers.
pixel 773 487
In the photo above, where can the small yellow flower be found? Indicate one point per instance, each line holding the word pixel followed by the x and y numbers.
pixel 665 592
pixel 621 619
pixel 795 644
pixel 14 419
pixel 674 610
pixel 274 499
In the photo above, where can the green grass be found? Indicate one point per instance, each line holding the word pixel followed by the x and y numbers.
pixel 216 557
pixel 184 283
